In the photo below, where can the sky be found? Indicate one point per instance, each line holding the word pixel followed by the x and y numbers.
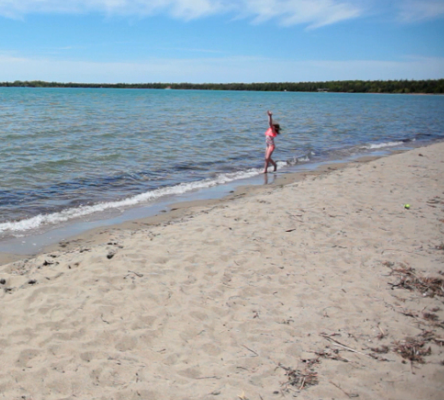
pixel 220 41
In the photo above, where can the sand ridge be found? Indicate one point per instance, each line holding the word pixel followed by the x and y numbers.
pixel 288 292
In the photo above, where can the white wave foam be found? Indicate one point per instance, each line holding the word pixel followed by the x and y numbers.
pixel 381 145
pixel 303 159
pixel 82 211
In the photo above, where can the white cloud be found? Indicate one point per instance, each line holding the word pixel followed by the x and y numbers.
pixel 314 13
pixel 420 10
pixel 217 69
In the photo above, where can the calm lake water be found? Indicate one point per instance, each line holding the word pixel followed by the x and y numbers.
pixel 73 153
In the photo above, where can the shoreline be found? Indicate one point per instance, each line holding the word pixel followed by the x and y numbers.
pixel 324 287
pixel 170 211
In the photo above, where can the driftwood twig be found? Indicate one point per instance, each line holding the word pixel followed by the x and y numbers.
pixel 341 345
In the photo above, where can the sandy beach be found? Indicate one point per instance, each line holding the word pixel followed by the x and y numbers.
pixel 325 287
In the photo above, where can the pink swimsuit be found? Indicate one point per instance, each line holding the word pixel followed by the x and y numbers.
pixel 270 134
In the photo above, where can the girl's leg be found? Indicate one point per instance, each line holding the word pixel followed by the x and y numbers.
pixel 274 164
pixel 268 159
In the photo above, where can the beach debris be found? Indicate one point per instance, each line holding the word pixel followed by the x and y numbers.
pixel 135 273
pixel 255 354
pixel 331 355
pixel 377 357
pixel 409 313
pixel 350 395
pixel 430 316
pixel 380 350
pixel 413 349
pixel 104 320
pixel 32 281
pixel 2 281
pixel 407 206
pixel 388 264
pixel 242 396
pixel 110 255
pixel 300 379
pixel 377 351
pixel 337 343
pixel 381 335
pixel 409 279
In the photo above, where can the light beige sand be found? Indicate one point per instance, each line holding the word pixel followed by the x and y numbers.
pixel 242 299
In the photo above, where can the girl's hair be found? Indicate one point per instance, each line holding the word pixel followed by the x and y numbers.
pixel 277 127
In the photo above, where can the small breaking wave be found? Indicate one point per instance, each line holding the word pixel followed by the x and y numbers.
pixel 375 146
pixel 69 214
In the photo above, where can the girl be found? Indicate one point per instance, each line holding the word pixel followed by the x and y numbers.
pixel 270 134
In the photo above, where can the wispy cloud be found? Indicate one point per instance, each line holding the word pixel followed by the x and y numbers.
pixel 420 10
pixel 314 13
pixel 218 69
pixel 183 9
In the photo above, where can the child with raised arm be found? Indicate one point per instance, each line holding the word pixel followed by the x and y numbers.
pixel 270 134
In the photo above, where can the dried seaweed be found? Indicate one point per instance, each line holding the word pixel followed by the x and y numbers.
pixel 409 313
pixel 408 279
pixel 413 349
pixel 378 358
pixel 380 350
pixel 331 355
pixel 429 316
pixel 300 379
pixel 427 335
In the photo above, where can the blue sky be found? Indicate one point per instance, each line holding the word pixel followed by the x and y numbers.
pixel 136 41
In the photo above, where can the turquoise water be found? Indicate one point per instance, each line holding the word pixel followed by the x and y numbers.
pixel 71 153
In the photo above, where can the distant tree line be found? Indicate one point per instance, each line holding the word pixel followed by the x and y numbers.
pixel 395 86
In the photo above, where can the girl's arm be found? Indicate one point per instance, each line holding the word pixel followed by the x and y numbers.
pixel 270 119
